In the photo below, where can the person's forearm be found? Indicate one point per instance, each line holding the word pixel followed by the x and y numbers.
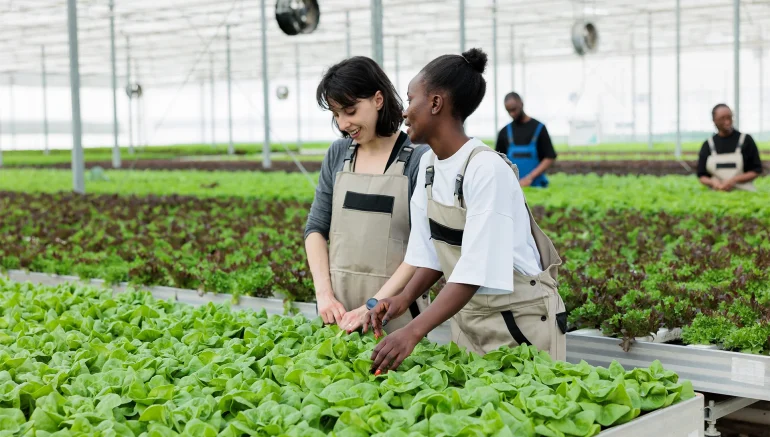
pixel 397 282
pixel 707 181
pixel 421 282
pixel 745 177
pixel 452 298
pixel 318 260
pixel 544 165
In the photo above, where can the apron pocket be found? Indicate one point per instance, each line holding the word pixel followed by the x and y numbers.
pixel 358 253
pixel 395 256
pixel 369 202
pixel 513 328
pixel 561 320
pixel 439 232
pixel 533 322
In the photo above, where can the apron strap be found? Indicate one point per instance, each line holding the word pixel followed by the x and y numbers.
pixel 741 139
pixel 509 128
pixel 711 146
pixel 429 174
pixel 350 158
pixel 537 133
pixel 399 167
pixel 461 176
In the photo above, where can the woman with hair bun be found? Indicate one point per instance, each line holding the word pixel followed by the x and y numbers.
pixel 471 224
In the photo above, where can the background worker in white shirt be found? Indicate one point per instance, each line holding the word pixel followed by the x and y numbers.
pixel 471 224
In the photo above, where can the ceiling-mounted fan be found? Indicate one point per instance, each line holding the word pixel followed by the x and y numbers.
pixel 585 37
pixel 297 16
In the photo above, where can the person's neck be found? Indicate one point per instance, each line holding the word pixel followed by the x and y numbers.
pixel 523 119
pixel 448 140
pixel 725 134
pixel 380 144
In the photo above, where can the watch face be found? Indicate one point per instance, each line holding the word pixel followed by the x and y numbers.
pixel 371 303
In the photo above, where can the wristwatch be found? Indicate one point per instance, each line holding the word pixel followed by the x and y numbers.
pixel 371 303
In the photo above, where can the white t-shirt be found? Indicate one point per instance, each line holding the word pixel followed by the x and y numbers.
pixel 497 236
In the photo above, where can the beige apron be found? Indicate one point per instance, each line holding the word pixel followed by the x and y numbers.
pixel 369 232
pixel 533 314
pixel 725 166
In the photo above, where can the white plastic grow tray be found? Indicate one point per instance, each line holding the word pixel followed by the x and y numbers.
pixel 684 419
pixel 710 370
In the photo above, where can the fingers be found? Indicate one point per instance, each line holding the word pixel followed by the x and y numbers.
pixel 398 360
pixel 338 313
pixel 380 354
pixel 377 317
pixel 365 327
pixel 389 315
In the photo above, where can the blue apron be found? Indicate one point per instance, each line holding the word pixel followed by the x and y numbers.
pixel 525 156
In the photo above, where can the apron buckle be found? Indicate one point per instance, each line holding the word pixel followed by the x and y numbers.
pixel 459 187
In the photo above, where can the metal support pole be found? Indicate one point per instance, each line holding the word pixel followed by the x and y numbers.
pixel 130 99
pixel 78 180
pixel 377 50
pixel 230 146
pixel 494 57
pixel 678 151
pixel 649 81
pixel 265 89
pixel 761 87
pixel 462 26
pixel 45 99
pixel 737 61
pixel 203 110
pixel 347 34
pixel 513 64
pixel 299 100
pixel 213 102
pixel 523 73
pixel 398 81
pixel 12 101
pixel 633 94
pixel 116 146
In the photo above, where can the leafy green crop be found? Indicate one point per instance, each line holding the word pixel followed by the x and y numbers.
pixel 672 194
pixel 74 361
pixel 628 273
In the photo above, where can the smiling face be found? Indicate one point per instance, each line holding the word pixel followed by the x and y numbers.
pixel 360 120
pixel 723 119
pixel 418 111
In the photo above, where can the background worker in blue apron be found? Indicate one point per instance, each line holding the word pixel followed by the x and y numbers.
pixel 730 159
pixel 526 143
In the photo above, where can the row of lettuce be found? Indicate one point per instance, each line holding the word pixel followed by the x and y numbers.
pixel 77 361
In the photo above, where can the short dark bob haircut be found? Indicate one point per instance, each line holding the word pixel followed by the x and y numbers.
pixel 357 78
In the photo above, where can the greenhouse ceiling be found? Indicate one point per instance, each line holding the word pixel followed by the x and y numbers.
pixel 173 41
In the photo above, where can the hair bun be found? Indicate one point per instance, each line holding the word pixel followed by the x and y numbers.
pixel 476 58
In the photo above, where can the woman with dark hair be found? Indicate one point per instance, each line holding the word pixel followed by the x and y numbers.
pixel 361 204
pixel 471 224
pixel 729 159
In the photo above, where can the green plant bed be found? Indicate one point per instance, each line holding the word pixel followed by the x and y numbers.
pixel 626 271
pixel 78 362
pixel 15 158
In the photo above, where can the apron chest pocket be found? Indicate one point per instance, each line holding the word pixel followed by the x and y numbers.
pixel 369 202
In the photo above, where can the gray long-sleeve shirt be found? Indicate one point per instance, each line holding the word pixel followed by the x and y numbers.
pixel 320 217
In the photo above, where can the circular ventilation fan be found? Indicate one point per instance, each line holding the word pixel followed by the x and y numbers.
pixel 585 37
pixel 297 16
pixel 134 90
pixel 282 92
